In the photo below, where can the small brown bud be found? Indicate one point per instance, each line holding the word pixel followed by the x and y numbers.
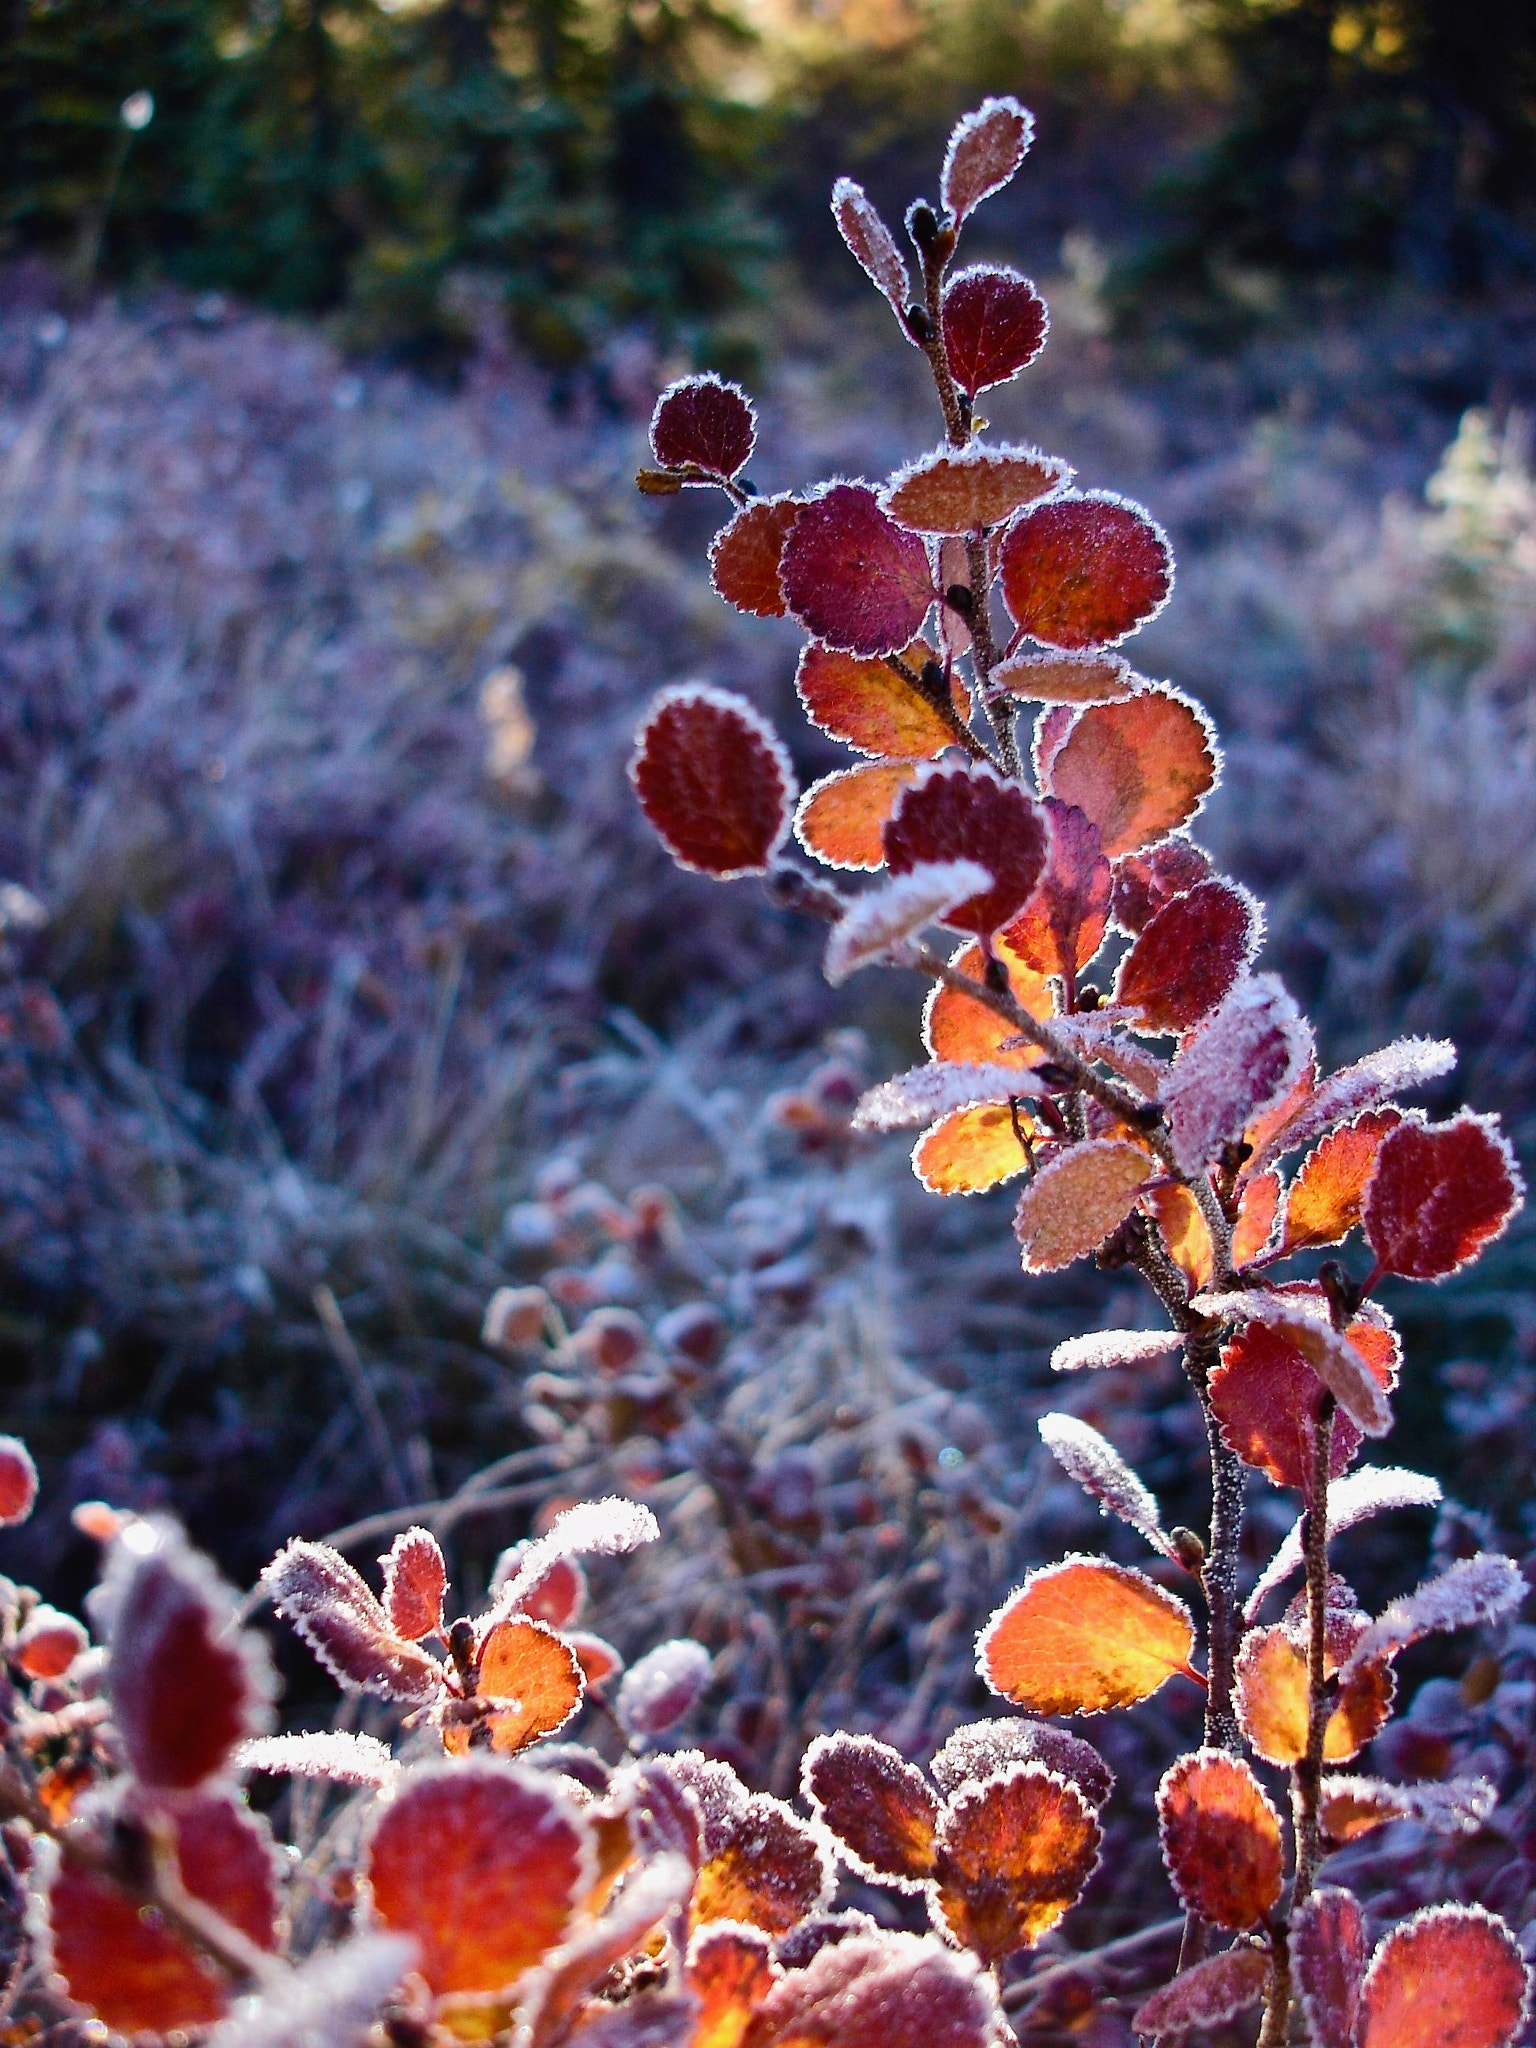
pixel 919 326
pixel 658 483
pixel 960 599
pixel 1187 1548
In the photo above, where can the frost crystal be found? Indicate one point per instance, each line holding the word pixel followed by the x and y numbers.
pixel 875 925
pixel 1482 1588
pixel 923 1094
pixel 1113 1347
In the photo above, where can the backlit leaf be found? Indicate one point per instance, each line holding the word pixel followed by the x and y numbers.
pixel 18 1482
pixel 878 925
pixel 1439 1194
pixel 1084 570
pixel 415 1581
pixel 1190 954
pixel 1203 1996
pixel 553 1994
pixel 771 1872
pixel 923 1093
pixel 1144 882
pixel 132 1969
pixel 1013 1853
pixel 186 1684
pixel 313 1586
pixel 713 778
pixel 1406 1064
pixel 1058 677
pixel 1373 1490
pixel 1139 768
pixel 1257 1207
pixel 980 1749
pixel 611 1527
pixel 1272 1692
pixel 852 576
pixel 703 423
pixel 969 812
pixel 745 555
pixel 1327 1197
pixel 535 1672
pixel 1076 1199
pixel 481 1863
pixel 958 1027
pixel 1347 1364
pixel 881 1991
pixel 1267 1398
pixel 1185 1232
pixel 1350 1807
pixel 664 1685
pixel 970 1151
pixel 1450 1977
pixel 1329 1951
pixel 557 1596
pixel 841 819
pixel 1092 1460
pixel 1487 1587
pixel 1221 1838
pixel 1082 1636
pixel 985 148
pixel 1113 1347
pixel 880 1807
pixel 860 700
pixel 873 245
pixel 730 1971
pixel 48 1642
pixel 1247 1055
pixel 963 490
pixel 995 324
pixel 1064 922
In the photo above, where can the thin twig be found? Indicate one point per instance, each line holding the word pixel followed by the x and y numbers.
pixel 359 1385
pixel 1308 1774
pixel 939 701
pixel 1086 1964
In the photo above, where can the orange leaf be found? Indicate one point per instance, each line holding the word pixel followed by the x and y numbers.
pixel 958 1027
pixel 744 556
pixel 880 1808
pixel 972 1150
pixel 881 1991
pixel 1221 1838
pixel 730 1971
pixel 1063 924
pixel 1272 1701
pixel 771 1871
pixel 1138 768
pixel 1451 1977
pixel 841 819
pixel 859 699
pixel 533 1677
pixel 1327 1195
pixel 1063 678
pixel 1082 1636
pixel 1257 1208
pixel 1014 1852
pixel 1186 1233
pixel 133 1970
pixel 1076 1199
pixel 482 1864
pixel 963 490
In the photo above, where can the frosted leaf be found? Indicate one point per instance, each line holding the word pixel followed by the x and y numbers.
pixel 720 1795
pixel 1113 1347
pixel 980 1749
pixel 1205 1995
pixel 923 1094
pixel 878 923
pixel 985 149
pixel 1099 1469
pixel 873 245
pixel 1329 1951
pixel 1406 1064
pixel 1373 1490
pixel 1246 1057
pixel 1303 1322
pixel 1475 1589
pixel 1449 1806
pixel 313 1586
pixel 415 1581
pixel 333 1753
pixel 330 2001
pixel 662 1686
pixel 593 1528
pixel 1095 1038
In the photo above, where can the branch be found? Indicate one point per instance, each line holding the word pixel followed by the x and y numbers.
pixel 941 702
pixel 1308 1774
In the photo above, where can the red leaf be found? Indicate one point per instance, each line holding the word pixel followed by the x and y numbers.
pixel 1013 1853
pixel 557 1596
pixel 873 245
pixel 970 813
pixel 1267 1398
pixel 1440 1192
pixel 985 149
pixel 994 324
pixel 415 1580
pixel 1245 1057
pixel 1328 1958
pixel 1064 922
pixel 963 490
pixel 314 1587
pixel 746 554
pixel 1139 768
pixel 703 423
pixel 18 1482
pixel 865 703
pixel 127 1965
pixel 1205 1995
pixel 852 576
pixel 186 1684
pixel 1451 1977
pixel 482 1864
pixel 1144 882
pixel 1406 1064
pixel 714 780
pixel 48 1642
pixel 665 1684
pixel 980 1749
pixel 881 1991
pixel 1221 1838
pixel 1189 955
pixel 879 1807
pixel 1084 570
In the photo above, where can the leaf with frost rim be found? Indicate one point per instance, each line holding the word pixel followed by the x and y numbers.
pixel 879 922
pixel 1372 1490
pixel 928 1094
pixel 1475 1590
pixel 748 714
pixel 1303 1321
pixel 334 1753
pixel 1406 1063
pixel 964 129
pixel 1103 1348
pixel 610 1527
pixel 1092 1460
